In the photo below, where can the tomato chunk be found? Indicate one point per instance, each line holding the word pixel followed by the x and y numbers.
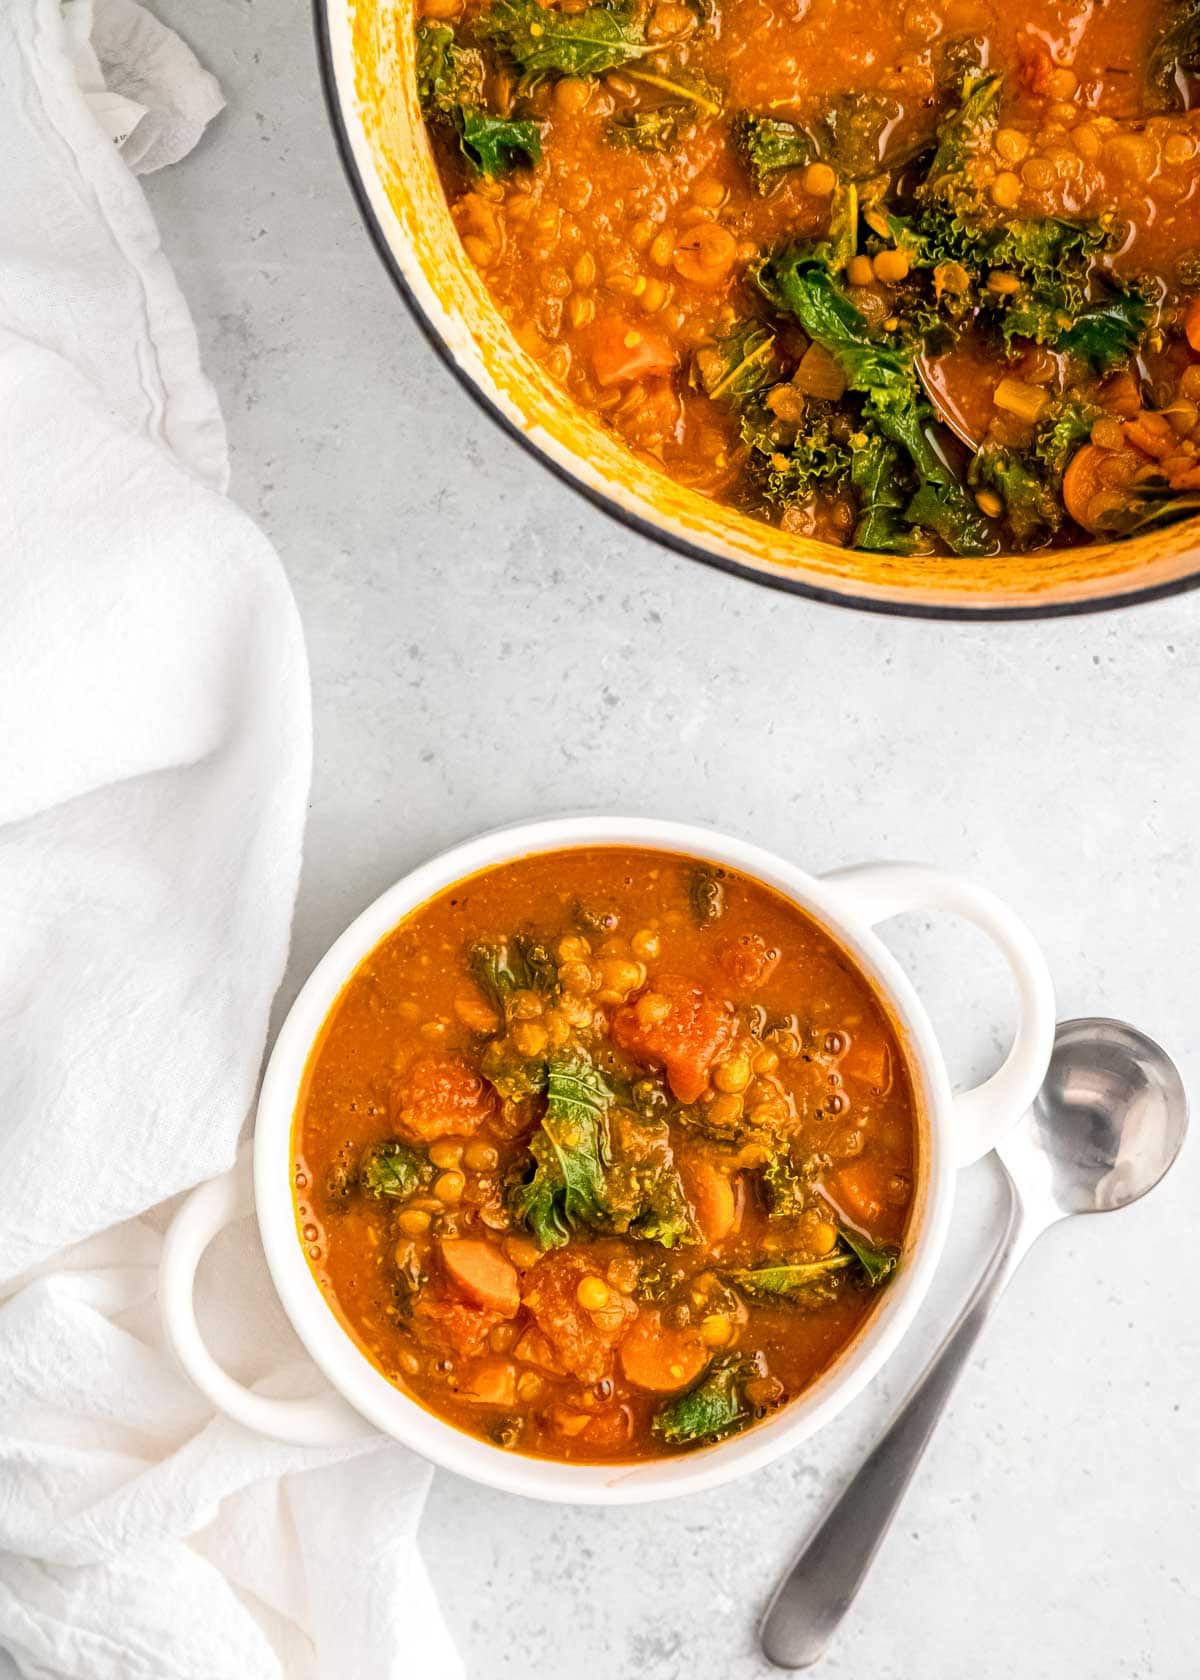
pixel 437 1096
pixel 749 961
pixel 623 352
pixel 452 1326
pixel 582 1338
pixel 679 1026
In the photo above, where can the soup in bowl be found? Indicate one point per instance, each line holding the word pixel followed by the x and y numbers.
pixel 606 1158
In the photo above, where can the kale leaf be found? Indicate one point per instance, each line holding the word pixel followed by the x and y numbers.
pixel 655 130
pixel 714 1407
pixel 393 1169
pixel 852 133
pixel 497 144
pixel 1031 507
pixel 581 1177
pixel 541 42
pixel 448 75
pixel 961 134
pixel 877 1262
pixel 877 477
pixel 1176 54
pixel 810 1282
pixel 571 1151
pixel 792 468
pixel 504 967
pixel 849 137
pixel 1060 435
pixel 767 146
pixel 799 282
pixel 706 894
pixel 1109 332
pixel 806 1282
pixel 450 88
pixel 737 366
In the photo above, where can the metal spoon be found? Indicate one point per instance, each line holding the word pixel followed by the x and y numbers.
pixel 1106 1125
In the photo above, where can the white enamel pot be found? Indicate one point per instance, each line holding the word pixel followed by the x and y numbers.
pixel 367 54
pixel 954 1129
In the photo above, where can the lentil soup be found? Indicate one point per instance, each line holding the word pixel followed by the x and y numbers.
pixel 604 1154
pixel 918 285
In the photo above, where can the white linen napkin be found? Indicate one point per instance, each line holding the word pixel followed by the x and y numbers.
pixel 154 763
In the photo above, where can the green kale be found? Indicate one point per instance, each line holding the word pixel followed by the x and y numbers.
pixel 962 134
pixel 503 967
pixel 813 1282
pixel 849 137
pixel 497 144
pixel 786 1187
pixel 541 42
pixel 655 130
pixel 448 76
pixel 1108 333
pixel 791 464
pixel 714 1407
pixel 450 89
pixel 767 146
pixel 738 365
pixel 1061 434
pixel 571 1151
pixel 877 476
pixel 1176 54
pixel 393 1169
pixel 808 1282
pixel 877 1262
pixel 1152 504
pixel 581 1179
pixel 513 1075
pixel 883 371
pixel 1031 507
pixel 852 133
pixel 643 1192
pixel 706 894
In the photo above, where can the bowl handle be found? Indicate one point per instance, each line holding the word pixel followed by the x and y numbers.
pixel 324 1420
pixel 877 891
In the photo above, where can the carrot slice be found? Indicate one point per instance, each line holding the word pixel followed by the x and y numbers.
pixel 860 1190
pixel 660 1359
pixel 713 1197
pixel 483 1274
pixel 869 1060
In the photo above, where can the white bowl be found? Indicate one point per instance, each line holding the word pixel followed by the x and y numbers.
pixel 953 1130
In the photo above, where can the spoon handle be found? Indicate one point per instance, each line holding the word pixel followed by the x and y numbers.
pixel 819 1588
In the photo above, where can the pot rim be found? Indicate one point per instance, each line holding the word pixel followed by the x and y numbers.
pixel 771 579
pixel 335 1351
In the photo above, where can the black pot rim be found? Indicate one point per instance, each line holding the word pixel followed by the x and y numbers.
pixel 633 521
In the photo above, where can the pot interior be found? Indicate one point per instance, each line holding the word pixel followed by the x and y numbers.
pixel 368 47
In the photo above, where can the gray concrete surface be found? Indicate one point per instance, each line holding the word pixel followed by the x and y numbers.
pixel 484 646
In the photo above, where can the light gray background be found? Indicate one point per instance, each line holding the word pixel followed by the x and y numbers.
pixel 485 646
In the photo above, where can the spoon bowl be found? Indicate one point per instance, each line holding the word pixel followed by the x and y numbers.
pixel 1108 1122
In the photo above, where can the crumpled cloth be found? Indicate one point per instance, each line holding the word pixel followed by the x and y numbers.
pixel 154 767
pixel 144 86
